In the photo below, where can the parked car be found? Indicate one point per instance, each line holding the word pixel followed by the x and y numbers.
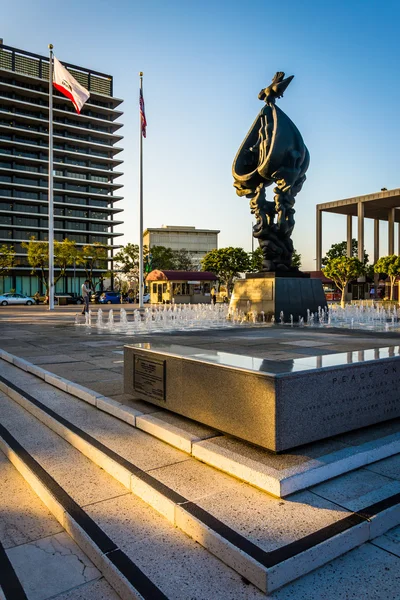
pixel 110 298
pixel 68 299
pixel 63 299
pixel 146 298
pixel 10 298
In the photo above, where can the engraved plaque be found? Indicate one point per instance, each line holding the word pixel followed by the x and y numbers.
pixel 149 377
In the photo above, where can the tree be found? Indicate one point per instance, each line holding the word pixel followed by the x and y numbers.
pixel 342 270
pixel 162 258
pixel 338 250
pixel 183 260
pixel 65 253
pixel 127 260
pixel 296 260
pixel 256 259
pixel 93 257
pixel 390 266
pixel 226 263
pixel 7 254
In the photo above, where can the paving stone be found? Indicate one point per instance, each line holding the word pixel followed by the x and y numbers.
pixel 357 490
pixel 23 517
pixel 178 431
pixel 271 522
pixel 81 478
pixel 53 359
pixel 146 452
pixel 390 541
pixel 50 566
pixel 195 480
pixel 177 564
pixel 390 467
pixel 108 388
pixel 93 590
pixel 139 405
pixel 365 573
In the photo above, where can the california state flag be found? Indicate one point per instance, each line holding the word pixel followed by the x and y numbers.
pixel 68 85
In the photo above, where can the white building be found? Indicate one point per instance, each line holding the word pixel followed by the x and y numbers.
pixel 196 241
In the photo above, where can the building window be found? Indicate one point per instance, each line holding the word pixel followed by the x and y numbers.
pixel 25 180
pixel 98 227
pixel 98 178
pixel 73 200
pixel 99 215
pixel 75 225
pixel 98 238
pixel 26 221
pixel 80 239
pixel 73 212
pixel 102 203
pixel 31 195
pixel 27 208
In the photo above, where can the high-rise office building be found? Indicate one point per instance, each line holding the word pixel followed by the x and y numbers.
pixel 85 168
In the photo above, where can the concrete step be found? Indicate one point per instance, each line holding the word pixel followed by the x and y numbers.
pixel 37 557
pixel 279 475
pixel 138 552
pixel 267 540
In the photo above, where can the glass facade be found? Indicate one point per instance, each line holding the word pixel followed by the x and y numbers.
pixel 86 164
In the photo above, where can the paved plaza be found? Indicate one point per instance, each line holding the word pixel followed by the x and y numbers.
pixel 94 359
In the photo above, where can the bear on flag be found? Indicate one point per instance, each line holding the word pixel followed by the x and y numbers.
pixel 67 85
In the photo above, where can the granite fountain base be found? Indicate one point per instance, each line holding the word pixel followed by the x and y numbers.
pixel 274 405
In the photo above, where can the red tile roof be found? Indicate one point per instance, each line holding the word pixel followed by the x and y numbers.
pixel 157 275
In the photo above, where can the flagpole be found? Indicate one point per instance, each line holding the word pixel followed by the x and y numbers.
pixel 50 196
pixel 141 203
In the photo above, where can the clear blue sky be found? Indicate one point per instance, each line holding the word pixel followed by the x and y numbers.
pixel 204 64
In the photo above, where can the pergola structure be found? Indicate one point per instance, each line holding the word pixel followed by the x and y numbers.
pixel 381 206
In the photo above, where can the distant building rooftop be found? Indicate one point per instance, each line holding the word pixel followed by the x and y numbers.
pixel 187 228
pixel 157 275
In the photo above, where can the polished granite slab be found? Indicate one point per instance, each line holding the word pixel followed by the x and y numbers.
pixel 277 405
pixel 268 366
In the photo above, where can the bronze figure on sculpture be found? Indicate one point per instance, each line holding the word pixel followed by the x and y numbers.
pixel 273 152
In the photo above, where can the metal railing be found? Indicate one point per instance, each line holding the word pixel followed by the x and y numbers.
pixel 35 65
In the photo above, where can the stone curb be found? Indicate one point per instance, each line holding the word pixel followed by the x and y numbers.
pixel 101 558
pixel 266 570
pixel 149 423
pixel 279 483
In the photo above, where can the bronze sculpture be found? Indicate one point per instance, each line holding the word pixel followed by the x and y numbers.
pixel 273 152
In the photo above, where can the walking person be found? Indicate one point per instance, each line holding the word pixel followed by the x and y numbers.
pixel 86 296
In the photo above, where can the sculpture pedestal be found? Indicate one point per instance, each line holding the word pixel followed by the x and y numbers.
pixel 273 293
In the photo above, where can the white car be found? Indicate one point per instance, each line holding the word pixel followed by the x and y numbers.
pixel 15 299
pixel 146 298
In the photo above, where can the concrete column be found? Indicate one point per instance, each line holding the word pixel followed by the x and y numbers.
pixel 376 255
pixel 376 240
pixel 319 240
pixel 349 235
pixel 360 215
pixel 391 230
pixel 398 240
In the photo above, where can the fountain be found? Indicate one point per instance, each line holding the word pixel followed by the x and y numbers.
pixel 163 318
pixel 184 317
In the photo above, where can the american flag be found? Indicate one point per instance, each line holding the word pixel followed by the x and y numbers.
pixel 142 114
